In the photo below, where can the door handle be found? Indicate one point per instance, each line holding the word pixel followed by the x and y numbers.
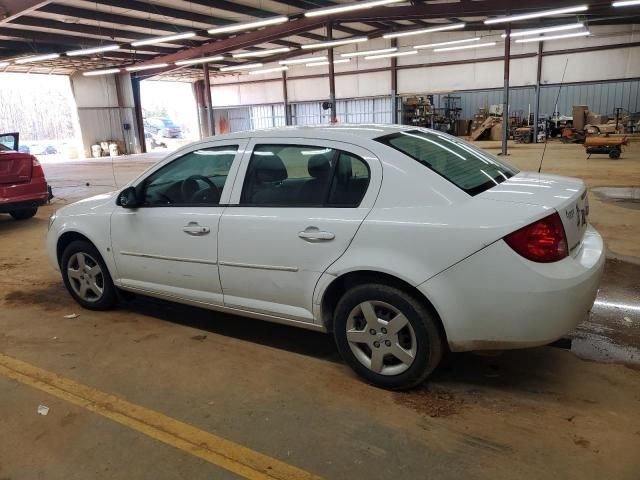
pixel 194 229
pixel 314 234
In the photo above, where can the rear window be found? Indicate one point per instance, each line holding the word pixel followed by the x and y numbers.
pixel 464 165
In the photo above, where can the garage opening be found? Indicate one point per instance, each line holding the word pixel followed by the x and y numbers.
pixel 42 109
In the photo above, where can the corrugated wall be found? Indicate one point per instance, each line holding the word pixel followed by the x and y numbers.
pixel 358 110
pixel 601 98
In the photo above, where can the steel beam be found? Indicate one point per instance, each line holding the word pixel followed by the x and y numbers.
pixel 12 9
pixel 505 95
pixel 207 100
pixel 332 76
pixel 285 99
pixel 137 111
pixel 394 84
pixel 536 108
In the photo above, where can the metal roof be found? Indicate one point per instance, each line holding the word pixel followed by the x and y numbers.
pixel 60 26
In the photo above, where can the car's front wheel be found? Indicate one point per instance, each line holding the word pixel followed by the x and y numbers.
pixel 387 336
pixel 86 276
pixel 24 213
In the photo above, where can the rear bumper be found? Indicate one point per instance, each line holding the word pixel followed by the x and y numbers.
pixel 23 195
pixel 498 300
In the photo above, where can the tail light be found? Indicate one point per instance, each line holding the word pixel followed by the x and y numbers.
pixel 543 241
pixel 37 170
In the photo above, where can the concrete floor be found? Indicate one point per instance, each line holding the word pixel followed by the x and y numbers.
pixel 181 381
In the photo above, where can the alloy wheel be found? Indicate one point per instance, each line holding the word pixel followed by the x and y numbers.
pixel 85 276
pixel 381 338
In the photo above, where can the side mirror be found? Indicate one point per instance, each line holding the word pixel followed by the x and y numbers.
pixel 128 198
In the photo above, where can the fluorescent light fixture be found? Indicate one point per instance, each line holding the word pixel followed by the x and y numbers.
pixel 318 12
pixel 333 43
pixel 269 70
pixel 37 58
pixel 108 71
pixel 465 47
pixel 165 39
pixel 245 66
pixel 146 67
pixel 627 3
pixel 389 55
pixel 318 64
pixel 262 53
pixel 193 61
pixel 544 13
pixel 248 25
pixel 553 37
pixel 443 28
pixel 302 60
pixel 452 42
pixel 364 53
pixel 537 31
pixel 90 51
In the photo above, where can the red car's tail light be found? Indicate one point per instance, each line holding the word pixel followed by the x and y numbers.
pixel 543 241
pixel 37 170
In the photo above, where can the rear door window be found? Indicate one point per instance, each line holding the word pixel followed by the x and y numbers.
pixel 303 175
pixel 464 165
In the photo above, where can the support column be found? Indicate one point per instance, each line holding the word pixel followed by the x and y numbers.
pixel 332 77
pixel 394 85
pixel 285 98
pixel 505 95
pixel 536 108
pixel 137 111
pixel 203 119
pixel 207 100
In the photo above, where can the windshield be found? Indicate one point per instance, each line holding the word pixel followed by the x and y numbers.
pixel 463 164
pixel 167 122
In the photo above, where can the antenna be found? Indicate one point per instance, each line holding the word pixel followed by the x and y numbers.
pixel 546 139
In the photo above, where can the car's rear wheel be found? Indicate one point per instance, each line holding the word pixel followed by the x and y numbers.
pixel 24 213
pixel 86 276
pixel 387 336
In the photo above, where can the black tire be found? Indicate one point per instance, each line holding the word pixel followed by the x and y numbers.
pixel 426 329
pixel 614 154
pixel 24 213
pixel 108 298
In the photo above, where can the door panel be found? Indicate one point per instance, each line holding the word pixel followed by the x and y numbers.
pixel 271 256
pixel 169 246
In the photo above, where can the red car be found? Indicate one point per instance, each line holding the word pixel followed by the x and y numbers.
pixel 23 187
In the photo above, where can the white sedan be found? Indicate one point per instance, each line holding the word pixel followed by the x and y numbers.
pixel 403 242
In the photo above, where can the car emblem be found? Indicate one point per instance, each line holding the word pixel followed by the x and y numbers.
pixel 569 213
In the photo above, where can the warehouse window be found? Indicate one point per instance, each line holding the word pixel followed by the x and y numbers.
pixel 464 165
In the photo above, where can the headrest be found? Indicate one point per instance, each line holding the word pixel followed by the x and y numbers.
pixel 319 166
pixel 271 169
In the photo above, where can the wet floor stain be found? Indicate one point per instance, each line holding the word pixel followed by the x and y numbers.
pixel 49 297
pixel 628 197
pixel 431 401
pixel 611 333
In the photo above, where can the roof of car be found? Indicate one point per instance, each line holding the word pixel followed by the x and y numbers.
pixel 342 132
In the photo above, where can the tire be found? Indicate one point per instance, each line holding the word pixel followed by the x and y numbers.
pixel 99 291
pixel 24 213
pixel 418 343
pixel 614 154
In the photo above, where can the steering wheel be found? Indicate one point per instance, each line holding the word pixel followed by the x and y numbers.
pixel 190 188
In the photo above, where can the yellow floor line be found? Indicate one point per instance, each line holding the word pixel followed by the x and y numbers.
pixel 207 446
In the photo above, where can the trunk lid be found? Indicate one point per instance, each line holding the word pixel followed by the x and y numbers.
pixel 566 195
pixel 15 167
